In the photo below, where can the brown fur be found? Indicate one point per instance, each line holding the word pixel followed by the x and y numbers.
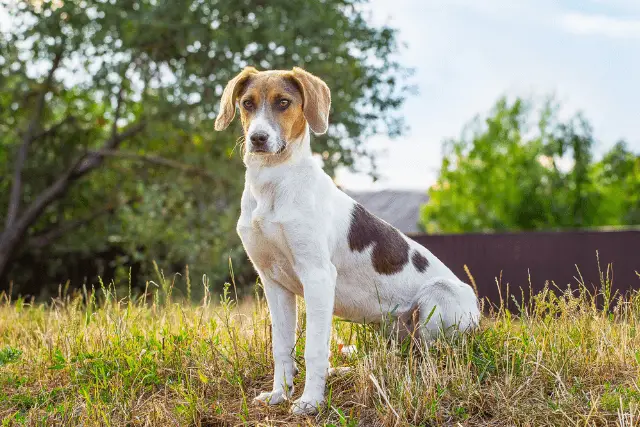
pixel 317 100
pixel 310 101
pixel 269 87
pixel 419 262
pixel 229 96
pixel 390 251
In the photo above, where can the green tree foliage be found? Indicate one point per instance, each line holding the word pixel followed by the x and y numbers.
pixel 106 120
pixel 617 178
pixel 523 168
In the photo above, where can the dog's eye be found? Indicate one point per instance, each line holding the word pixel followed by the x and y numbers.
pixel 283 103
pixel 247 104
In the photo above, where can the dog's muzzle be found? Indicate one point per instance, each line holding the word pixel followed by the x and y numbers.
pixel 259 142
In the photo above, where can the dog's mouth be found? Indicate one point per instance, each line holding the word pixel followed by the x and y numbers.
pixel 283 146
pixel 264 152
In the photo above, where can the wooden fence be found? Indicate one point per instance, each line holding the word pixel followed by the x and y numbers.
pixel 518 259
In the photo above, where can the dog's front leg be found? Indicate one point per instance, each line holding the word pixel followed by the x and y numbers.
pixel 282 308
pixel 319 283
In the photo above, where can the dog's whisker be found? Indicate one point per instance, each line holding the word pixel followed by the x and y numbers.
pixel 241 142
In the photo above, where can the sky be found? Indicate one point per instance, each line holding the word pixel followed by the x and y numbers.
pixel 468 53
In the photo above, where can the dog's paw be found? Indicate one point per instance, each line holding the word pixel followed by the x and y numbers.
pixel 306 406
pixel 339 371
pixel 272 397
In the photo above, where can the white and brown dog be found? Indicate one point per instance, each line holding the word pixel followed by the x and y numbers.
pixel 305 237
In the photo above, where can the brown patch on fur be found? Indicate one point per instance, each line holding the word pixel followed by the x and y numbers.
pixel 269 87
pixel 229 96
pixel 317 100
pixel 309 96
pixel 298 125
pixel 419 262
pixel 390 251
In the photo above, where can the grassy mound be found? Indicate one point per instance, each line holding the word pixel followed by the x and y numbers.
pixel 96 358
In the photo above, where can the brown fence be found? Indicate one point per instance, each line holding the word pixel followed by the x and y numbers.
pixel 537 257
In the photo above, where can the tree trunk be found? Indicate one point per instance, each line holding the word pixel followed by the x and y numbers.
pixel 8 246
pixel 13 235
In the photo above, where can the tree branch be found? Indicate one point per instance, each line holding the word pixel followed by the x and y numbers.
pixel 16 188
pixel 16 228
pixel 11 235
pixel 44 239
pixel 94 158
pixel 53 129
pixel 160 161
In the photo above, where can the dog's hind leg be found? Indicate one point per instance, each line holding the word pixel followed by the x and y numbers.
pixel 446 306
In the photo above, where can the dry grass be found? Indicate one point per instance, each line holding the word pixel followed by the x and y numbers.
pixel 94 359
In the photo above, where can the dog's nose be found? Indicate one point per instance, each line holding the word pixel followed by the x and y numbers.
pixel 259 139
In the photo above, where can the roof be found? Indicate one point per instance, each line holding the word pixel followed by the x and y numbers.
pixel 400 208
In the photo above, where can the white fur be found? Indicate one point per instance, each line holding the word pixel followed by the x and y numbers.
pixel 261 123
pixel 294 226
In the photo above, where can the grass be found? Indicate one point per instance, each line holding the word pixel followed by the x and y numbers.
pixel 97 358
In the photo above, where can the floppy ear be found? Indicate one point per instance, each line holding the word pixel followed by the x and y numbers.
pixel 316 100
pixel 228 100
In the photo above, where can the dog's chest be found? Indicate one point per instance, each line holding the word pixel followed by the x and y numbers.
pixel 261 229
pixel 266 229
pixel 266 221
pixel 266 245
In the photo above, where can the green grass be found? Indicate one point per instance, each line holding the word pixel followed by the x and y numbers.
pixel 98 358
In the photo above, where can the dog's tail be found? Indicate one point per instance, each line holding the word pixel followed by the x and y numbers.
pixel 447 305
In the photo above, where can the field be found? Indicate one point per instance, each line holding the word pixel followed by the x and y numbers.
pixel 100 358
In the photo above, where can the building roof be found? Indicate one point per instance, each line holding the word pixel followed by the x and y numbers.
pixel 400 208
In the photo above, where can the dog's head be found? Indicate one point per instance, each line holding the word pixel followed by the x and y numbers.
pixel 275 108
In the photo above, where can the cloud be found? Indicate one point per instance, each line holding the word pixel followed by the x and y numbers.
pixel 602 25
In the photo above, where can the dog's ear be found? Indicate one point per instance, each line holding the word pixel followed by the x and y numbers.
pixel 316 100
pixel 228 100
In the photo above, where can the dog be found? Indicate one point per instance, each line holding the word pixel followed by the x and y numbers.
pixel 307 238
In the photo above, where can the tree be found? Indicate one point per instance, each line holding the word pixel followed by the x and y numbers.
pixel 522 168
pixel 617 177
pixel 106 117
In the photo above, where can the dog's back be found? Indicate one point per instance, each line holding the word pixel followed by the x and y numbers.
pixel 382 272
pixel 379 271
